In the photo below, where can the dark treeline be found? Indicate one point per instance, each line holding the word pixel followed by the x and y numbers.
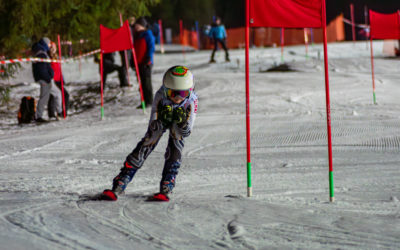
pixel 22 22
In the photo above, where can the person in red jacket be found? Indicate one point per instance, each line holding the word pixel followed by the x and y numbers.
pixel 144 44
pixel 56 66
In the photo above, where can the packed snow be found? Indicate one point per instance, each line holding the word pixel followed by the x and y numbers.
pixel 51 172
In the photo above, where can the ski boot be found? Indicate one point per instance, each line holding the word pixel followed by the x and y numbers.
pixel 120 182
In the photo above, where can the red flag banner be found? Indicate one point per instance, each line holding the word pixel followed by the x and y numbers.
pixel 384 26
pixel 112 40
pixel 286 13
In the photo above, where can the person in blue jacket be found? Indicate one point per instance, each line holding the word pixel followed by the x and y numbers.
pixel 218 35
pixel 144 44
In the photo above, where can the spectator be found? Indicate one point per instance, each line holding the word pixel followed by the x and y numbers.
pixel 132 21
pixel 155 28
pixel 56 66
pixel 144 47
pixel 43 74
pixel 218 35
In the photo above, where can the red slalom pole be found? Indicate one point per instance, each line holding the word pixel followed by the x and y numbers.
pixel 328 105
pixel 62 78
pixel 101 86
pixel 247 41
pixel 137 73
pixel 306 41
pixel 282 42
pixel 372 69
pixel 161 36
pixel 353 26
pixel 125 54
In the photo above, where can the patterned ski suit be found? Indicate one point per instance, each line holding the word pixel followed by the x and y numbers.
pixel 156 129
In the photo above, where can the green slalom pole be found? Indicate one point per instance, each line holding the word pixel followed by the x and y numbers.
pixel 249 187
pixel 331 187
pixel 144 107
pixel 374 97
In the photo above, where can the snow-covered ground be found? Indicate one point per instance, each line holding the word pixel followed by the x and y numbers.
pixel 49 172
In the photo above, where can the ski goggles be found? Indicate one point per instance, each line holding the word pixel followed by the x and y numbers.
pixel 174 93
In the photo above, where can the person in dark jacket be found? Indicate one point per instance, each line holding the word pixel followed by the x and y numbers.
pixel 43 74
pixel 218 35
pixel 109 66
pixel 155 28
pixel 144 46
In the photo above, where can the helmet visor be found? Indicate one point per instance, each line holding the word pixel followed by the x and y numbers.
pixel 174 93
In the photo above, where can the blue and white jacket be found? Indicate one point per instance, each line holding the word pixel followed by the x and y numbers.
pixel 190 105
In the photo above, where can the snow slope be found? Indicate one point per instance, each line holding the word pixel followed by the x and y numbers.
pixel 49 173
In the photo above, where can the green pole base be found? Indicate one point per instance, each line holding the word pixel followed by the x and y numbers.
pixel 249 188
pixel 102 112
pixel 374 98
pixel 144 107
pixel 331 189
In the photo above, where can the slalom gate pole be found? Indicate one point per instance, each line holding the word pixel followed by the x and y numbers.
pixel 312 37
pixel 247 41
pixel 198 34
pixel 161 36
pixel 366 21
pixel 282 42
pixel 101 86
pixel 61 76
pixel 353 26
pixel 372 69
pixel 306 41
pixel 181 39
pixel 137 73
pixel 139 81
pixel 328 105
pixel 125 54
pixel 80 54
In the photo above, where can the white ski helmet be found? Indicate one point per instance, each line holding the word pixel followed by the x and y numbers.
pixel 178 78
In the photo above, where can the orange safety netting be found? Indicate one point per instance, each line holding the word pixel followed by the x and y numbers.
pixel 261 37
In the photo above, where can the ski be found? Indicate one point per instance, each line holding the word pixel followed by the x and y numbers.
pixel 159 197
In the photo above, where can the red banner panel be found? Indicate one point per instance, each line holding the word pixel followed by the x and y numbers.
pixel 384 26
pixel 112 40
pixel 286 13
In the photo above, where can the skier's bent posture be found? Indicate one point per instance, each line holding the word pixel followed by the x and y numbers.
pixel 174 109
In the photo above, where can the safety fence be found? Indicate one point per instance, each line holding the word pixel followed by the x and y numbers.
pixel 35 59
pixel 264 37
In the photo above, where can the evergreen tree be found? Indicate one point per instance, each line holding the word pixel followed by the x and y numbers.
pixel 23 22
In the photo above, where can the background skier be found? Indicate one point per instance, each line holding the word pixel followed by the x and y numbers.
pixel 218 35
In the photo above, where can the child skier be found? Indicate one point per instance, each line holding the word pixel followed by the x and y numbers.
pixel 174 108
